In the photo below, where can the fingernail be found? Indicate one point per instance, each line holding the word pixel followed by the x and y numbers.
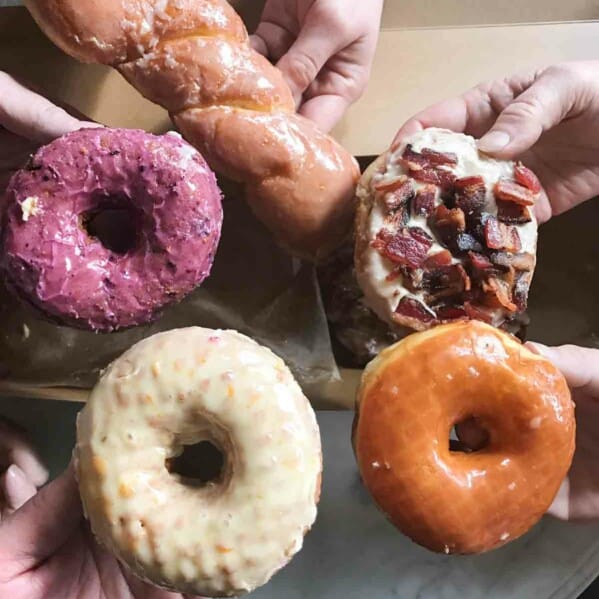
pixel 493 141
pixel 29 462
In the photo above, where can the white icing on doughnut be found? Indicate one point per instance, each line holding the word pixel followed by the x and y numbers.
pixel 382 294
pixel 179 388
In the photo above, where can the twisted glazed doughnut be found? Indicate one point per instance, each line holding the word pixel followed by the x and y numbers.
pixel 178 389
pixel 411 396
pixel 193 57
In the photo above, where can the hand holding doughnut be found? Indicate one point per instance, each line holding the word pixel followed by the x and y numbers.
pixel 548 118
pixel 194 58
pixel 411 396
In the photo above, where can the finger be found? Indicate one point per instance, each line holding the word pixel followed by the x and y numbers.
pixel 536 110
pixel 325 110
pixel 15 448
pixel 580 365
pixel 30 115
pixel 35 531
pixel 472 434
pixel 472 113
pixel 16 489
pixel 560 507
pixel 315 45
pixel 272 40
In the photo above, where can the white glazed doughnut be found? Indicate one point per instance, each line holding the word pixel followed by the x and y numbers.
pixel 177 389
pixel 445 233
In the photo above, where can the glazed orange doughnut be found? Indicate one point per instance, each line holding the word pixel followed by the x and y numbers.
pixel 412 395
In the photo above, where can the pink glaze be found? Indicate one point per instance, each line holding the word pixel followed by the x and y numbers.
pixel 51 260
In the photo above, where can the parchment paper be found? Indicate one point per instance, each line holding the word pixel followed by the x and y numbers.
pixel 255 288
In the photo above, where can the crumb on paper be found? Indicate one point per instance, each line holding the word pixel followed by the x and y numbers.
pixel 29 207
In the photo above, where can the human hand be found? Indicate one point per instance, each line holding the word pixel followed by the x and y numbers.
pixel 19 463
pixel 325 50
pixel 578 498
pixel 28 120
pixel 48 552
pixel 547 118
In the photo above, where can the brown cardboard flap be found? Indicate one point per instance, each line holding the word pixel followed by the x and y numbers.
pixel 415 68
pixel 403 14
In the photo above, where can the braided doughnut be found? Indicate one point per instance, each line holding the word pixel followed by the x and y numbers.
pixel 193 57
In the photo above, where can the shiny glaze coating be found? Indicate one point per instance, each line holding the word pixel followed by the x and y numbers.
pixel 194 58
pixel 171 199
pixel 179 388
pixel 411 396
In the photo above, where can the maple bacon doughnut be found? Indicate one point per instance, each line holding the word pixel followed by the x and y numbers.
pixel 451 500
pixel 106 227
pixel 445 233
pixel 220 537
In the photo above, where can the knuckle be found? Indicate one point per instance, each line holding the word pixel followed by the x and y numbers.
pixel 302 69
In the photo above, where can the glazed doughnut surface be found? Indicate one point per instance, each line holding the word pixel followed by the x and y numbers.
pixel 177 389
pixel 417 390
pixel 53 258
pixel 444 233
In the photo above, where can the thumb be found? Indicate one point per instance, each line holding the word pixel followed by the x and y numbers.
pixel 41 526
pixel 32 116
pixel 313 48
pixel 520 125
pixel 580 365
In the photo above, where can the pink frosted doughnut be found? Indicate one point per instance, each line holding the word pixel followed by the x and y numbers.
pixel 160 204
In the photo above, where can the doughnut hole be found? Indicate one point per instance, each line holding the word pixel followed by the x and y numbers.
pixel 468 435
pixel 198 465
pixel 114 223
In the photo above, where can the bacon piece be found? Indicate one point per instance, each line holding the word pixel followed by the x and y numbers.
pixel 427 157
pixel 448 224
pixel 480 266
pixel 446 313
pixel 445 281
pixel 521 262
pixel 470 195
pixel 413 313
pixel 436 176
pixel 442 258
pixel 421 235
pixel 497 294
pixel 510 191
pixel 406 247
pixel 527 178
pixel 501 237
pixel 424 201
pixel 389 185
pixel 474 181
pixel 465 243
pixel 520 290
pixel 512 213
pixel 478 313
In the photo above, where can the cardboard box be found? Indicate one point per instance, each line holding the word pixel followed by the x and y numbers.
pixel 428 49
